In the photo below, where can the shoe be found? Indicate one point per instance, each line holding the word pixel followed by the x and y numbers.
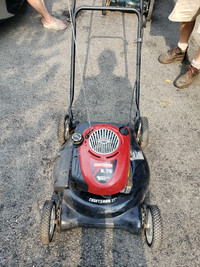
pixel 57 25
pixel 186 79
pixel 175 54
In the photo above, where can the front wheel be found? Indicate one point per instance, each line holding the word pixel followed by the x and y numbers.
pixel 48 222
pixel 153 226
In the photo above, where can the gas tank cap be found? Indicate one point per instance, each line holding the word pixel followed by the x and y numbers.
pixel 77 139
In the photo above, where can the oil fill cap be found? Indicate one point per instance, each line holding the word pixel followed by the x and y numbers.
pixel 77 139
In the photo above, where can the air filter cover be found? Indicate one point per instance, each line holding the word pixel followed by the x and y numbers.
pixel 104 141
pixel 105 158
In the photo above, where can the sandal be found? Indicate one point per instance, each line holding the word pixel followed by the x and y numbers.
pixel 57 25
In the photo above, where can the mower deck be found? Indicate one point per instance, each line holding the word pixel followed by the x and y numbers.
pixel 81 213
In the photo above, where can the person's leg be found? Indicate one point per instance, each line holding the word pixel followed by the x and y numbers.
pixel 39 6
pixel 44 5
pixel 47 19
pixel 186 29
pixel 178 52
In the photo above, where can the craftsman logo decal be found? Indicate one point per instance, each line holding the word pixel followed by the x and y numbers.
pixel 103 201
pixel 103 171
pixel 103 164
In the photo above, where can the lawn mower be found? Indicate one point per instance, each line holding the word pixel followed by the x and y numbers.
pixel 148 6
pixel 101 175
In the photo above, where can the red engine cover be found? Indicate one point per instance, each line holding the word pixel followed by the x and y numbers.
pixel 105 158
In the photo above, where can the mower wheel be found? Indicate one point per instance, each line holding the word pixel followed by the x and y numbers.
pixel 48 222
pixel 153 227
pixel 55 197
pixel 63 129
pixel 142 134
pixel 146 200
pixel 150 11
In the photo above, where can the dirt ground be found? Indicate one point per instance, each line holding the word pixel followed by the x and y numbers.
pixel 34 90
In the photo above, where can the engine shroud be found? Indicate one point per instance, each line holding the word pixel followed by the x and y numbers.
pixel 104 158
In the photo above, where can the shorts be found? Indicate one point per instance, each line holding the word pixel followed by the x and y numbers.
pixel 185 10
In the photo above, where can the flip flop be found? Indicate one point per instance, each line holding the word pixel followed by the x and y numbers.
pixel 57 25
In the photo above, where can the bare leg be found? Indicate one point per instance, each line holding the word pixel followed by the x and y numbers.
pixel 186 29
pixel 40 7
pixel 178 53
pixel 44 5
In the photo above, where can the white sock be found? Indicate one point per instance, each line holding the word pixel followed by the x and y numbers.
pixel 183 46
pixel 195 64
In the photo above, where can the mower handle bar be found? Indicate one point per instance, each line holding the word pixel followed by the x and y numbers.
pixel 139 43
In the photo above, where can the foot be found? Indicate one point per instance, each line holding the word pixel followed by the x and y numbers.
pixel 186 79
pixel 54 24
pixel 176 54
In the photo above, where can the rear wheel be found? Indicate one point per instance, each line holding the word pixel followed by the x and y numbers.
pixel 48 222
pixel 142 134
pixel 63 129
pixel 55 197
pixel 146 200
pixel 153 227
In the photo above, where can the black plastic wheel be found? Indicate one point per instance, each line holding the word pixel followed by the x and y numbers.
pixel 146 200
pixel 48 225
pixel 55 197
pixel 142 134
pixel 153 227
pixel 150 11
pixel 63 129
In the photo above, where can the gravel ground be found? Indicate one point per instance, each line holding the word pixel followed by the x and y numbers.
pixel 34 90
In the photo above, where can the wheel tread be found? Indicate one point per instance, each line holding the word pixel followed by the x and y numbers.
pixel 157 227
pixel 45 222
pixel 61 129
pixel 144 133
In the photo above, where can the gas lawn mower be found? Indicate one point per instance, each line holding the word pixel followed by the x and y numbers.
pixel 148 6
pixel 101 175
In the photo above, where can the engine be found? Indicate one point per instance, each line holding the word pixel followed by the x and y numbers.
pixel 104 158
